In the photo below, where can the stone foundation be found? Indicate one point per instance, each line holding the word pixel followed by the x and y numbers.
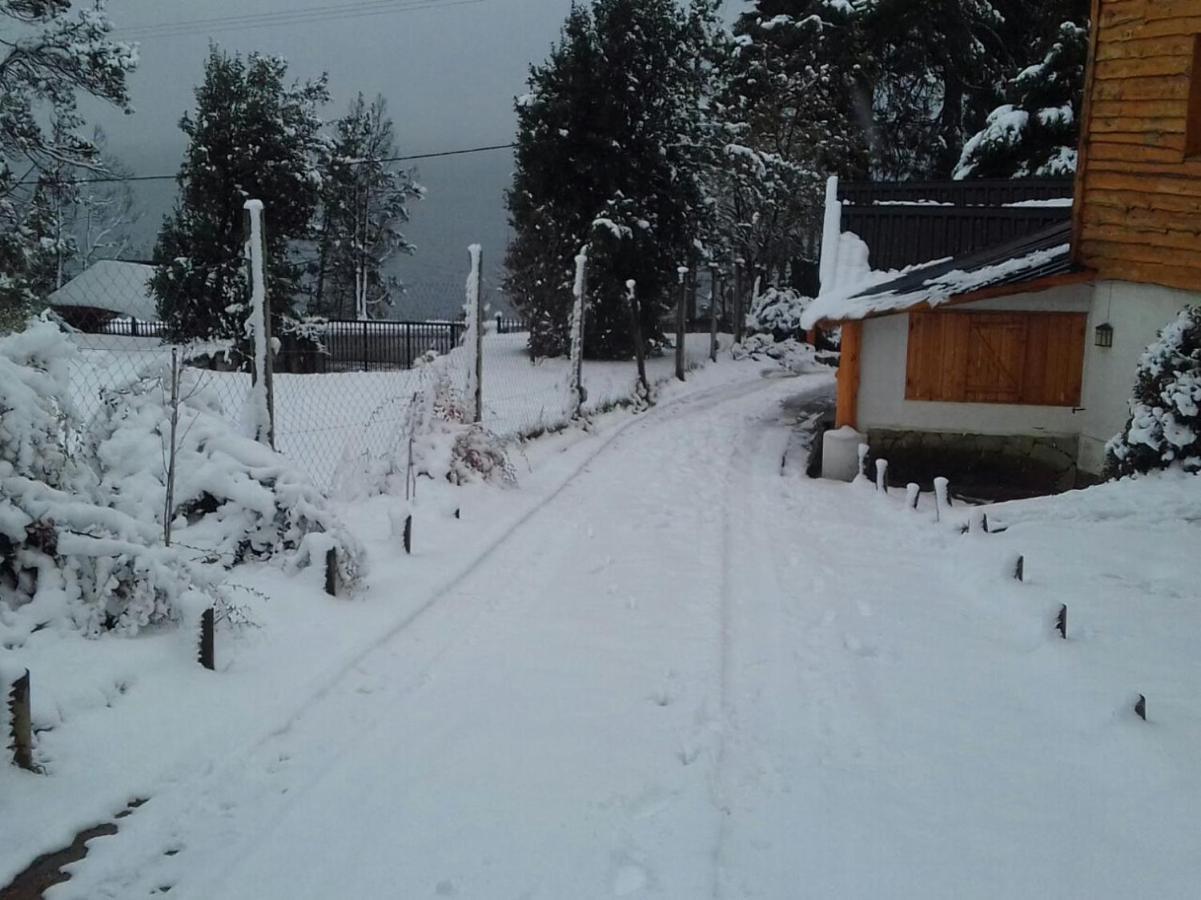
pixel 988 467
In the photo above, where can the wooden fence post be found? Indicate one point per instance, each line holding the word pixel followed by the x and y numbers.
pixel 21 716
pixel 714 290
pixel 882 476
pixel 682 273
pixel 1061 621
pixel 636 329
pixel 331 571
pixel 207 655
pixel 256 242
pixel 912 494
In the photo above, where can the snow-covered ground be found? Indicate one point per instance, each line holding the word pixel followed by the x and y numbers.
pixel 666 664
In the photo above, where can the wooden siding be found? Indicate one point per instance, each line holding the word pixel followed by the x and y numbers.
pixel 1138 189
pixel 1027 358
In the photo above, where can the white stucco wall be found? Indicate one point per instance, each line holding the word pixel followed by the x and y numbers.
pixel 882 402
pixel 1136 312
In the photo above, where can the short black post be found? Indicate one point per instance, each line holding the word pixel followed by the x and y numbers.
pixel 984 522
pixel 409 533
pixel 22 723
pixel 1140 707
pixel 1019 570
pixel 207 639
pixel 1061 621
pixel 458 513
pixel 331 571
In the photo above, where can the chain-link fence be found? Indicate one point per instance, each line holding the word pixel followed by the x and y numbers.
pixel 344 391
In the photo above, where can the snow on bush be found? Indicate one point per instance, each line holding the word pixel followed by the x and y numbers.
pixel 1164 429
pixel 81 512
pixel 64 557
pixel 795 356
pixel 234 498
pixel 778 312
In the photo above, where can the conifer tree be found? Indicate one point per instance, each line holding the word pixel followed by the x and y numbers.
pixel 608 147
pixel 252 135
pixel 1164 428
pixel 364 200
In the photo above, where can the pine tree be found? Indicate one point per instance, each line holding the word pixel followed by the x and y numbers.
pixel 253 135
pixel 608 151
pixel 1037 131
pixel 1164 428
pixel 363 201
pixel 52 55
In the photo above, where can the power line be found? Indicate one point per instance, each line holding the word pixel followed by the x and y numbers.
pixel 441 154
pixel 280 18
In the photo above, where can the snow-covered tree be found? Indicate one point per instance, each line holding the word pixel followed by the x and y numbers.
pixel 49 54
pixel 608 149
pixel 253 135
pixel 1164 429
pixel 1037 131
pixel 364 200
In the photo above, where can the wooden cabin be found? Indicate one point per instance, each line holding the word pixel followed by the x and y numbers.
pixel 1021 357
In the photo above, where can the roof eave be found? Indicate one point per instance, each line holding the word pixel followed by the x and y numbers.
pixel 1033 286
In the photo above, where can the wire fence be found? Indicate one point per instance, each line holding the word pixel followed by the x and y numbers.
pixel 344 391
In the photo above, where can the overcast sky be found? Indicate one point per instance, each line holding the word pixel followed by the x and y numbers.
pixel 449 71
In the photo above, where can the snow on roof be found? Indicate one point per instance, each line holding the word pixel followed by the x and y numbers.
pixel 1047 252
pixel 111 284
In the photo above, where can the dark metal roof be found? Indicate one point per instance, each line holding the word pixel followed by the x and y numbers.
pixel 928 276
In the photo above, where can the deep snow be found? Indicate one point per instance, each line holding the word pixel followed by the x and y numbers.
pixel 665 665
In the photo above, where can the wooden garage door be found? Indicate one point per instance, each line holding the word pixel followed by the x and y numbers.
pixel 1034 358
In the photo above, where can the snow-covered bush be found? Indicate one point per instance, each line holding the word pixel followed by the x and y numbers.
pixel 479 455
pixel 1164 429
pixel 795 356
pixel 234 499
pixel 64 557
pixel 777 312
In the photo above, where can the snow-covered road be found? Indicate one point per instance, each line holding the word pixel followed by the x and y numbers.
pixel 685 676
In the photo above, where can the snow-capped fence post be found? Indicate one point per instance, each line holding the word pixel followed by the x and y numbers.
pixel 714 291
pixel 682 273
pixel 863 450
pixel 575 384
pixel 172 450
pixel 912 494
pixel 259 324
pixel 942 497
pixel 644 385
pixel 207 655
pixel 1061 621
pixel 1140 707
pixel 331 571
pixel 882 476
pixel 21 717
pixel 474 338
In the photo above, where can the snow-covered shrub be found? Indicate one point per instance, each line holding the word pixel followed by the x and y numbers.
pixel 64 556
pixel 1164 428
pixel 795 356
pixel 479 455
pixel 234 499
pixel 777 312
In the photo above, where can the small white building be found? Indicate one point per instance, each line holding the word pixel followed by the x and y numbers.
pixel 106 290
pixel 1018 360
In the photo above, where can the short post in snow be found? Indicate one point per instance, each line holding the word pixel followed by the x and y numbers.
pixel 475 326
pixel 863 450
pixel 912 494
pixel 207 655
pixel 882 476
pixel 681 322
pixel 1140 707
pixel 263 390
pixel 331 571
pixel 1061 621
pixel 21 717
pixel 739 263
pixel 576 393
pixel 1019 569
pixel 408 533
pixel 942 497
pixel 714 292
pixel 636 330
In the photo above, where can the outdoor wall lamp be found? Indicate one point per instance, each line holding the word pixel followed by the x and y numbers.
pixel 1104 337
